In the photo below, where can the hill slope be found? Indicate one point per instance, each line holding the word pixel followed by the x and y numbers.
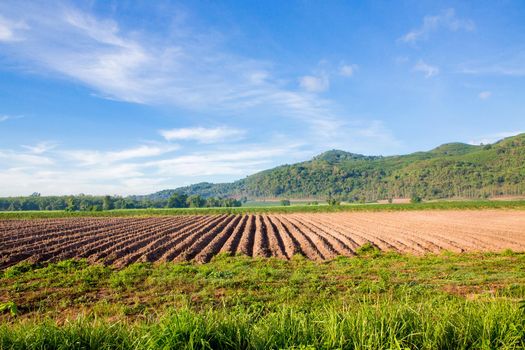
pixel 450 170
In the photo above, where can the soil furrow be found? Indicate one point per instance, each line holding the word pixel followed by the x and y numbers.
pixel 246 243
pixel 185 240
pixel 215 245
pixel 308 247
pixel 275 240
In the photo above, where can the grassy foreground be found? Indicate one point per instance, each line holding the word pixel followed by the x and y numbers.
pixel 373 301
pixel 441 205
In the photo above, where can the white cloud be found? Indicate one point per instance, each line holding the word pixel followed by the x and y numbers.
pixel 4 118
pixel 259 78
pixel 226 162
pixel 347 70
pixel 491 138
pixel 91 157
pixel 510 63
pixel 23 159
pixel 369 137
pixel 203 135
pixel 484 95
pixel 185 67
pixel 497 69
pixel 41 147
pixel 132 171
pixel 446 19
pixel 312 83
pixel 428 70
pixel 9 30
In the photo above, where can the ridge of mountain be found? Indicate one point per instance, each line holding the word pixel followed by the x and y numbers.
pixel 449 170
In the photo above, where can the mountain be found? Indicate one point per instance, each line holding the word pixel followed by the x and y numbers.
pixel 450 170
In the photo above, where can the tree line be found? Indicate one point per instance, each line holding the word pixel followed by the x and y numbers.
pixel 97 203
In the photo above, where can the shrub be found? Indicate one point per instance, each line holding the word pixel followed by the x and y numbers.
pixel 285 202
pixel 415 199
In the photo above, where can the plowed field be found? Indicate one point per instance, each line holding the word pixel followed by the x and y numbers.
pixel 121 241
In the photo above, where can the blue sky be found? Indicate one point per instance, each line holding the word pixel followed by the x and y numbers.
pixel 131 97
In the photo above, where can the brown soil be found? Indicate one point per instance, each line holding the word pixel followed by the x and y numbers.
pixel 122 241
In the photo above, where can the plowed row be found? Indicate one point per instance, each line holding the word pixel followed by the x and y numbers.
pixel 121 241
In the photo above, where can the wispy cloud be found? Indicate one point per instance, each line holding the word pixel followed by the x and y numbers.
pixel 91 157
pixel 428 70
pixel 130 171
pixel 347 70
pixel 484 95
pixel 313 83
pixel 497 69
pixel 203 135
pixel 251 159
pixel 41 147
pixel 191 70
pixel 370 137
pixel 491 138
pixel 4 118
pixel 10 31
pixel 510 63
pixel 186 68
pixel 446 20
pixel 15 158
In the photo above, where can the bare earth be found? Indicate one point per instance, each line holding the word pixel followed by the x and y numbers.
pixel 319 236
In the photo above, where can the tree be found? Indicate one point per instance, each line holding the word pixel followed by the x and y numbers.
pixel 177 200
pixel 71 204
pixel 107 203
pixel 195 201
pixel 213 202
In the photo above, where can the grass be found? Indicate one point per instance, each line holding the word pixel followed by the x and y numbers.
pixel 277 203
pixel 438 205
pixel 372 301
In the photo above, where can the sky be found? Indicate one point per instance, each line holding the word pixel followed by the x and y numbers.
pixel 132 97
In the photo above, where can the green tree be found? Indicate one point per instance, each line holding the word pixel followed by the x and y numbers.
pixel 107 203
pixel 71 204
pixel 177 200
pixel 213 202
pixel 195 201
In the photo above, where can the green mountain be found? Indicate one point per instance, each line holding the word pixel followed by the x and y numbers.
pixel 450 170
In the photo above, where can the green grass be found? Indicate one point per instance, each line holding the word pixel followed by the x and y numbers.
pixel 438 205
pixel 373 301
pixel 277 203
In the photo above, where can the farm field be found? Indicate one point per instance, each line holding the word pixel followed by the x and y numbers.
pixel 319 236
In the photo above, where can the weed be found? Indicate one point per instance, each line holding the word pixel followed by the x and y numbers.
pixel 19 269
pixel 367 249
pixel 10 307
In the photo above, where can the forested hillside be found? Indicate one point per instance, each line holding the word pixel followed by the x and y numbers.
pixel 450 170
